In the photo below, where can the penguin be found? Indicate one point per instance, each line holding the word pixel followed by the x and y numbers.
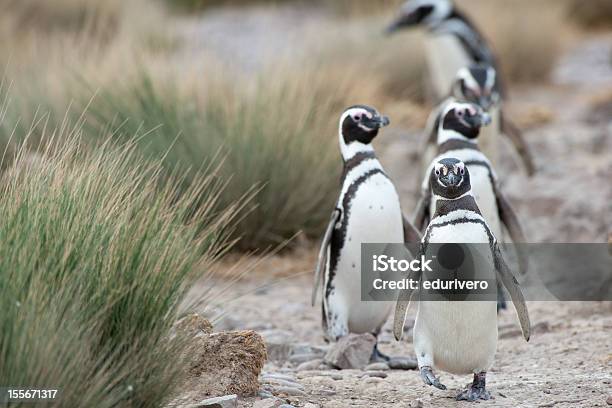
pixel 459 337
pixel 479 84
pixel 453 42
pixel 458 136
pixel 367 210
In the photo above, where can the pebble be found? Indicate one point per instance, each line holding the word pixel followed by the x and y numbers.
pixel 378 374
pixel 310 365
pixel 302 358
pixel 402 363
pixel 267 403
pixel 286 406
pixel 327 393
pixel 265 394
pixel 284 383
pixel 227 401
pixel 336 377
pixel 609 400
pixel 377 367
pixel 292 391
pixel 278 376
pixel 373 380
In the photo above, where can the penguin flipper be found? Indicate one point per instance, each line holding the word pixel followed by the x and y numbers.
pixel 401 308
pixel 514 289
pixel 322 259
pixel 508 217
pixel 515 135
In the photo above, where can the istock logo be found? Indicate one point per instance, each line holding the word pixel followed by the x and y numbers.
pixel 384 263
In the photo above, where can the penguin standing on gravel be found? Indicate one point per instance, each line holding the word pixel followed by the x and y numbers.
pixel 453 41
pixel 367 211
pixel 479 84
pixel 459 337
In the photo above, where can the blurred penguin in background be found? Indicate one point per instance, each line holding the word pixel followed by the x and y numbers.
pixel 479 85
pixel 453 41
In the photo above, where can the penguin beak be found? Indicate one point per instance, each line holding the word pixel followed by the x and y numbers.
pixel 479 120
pixel 452 179
pixel 377 122
pixel 404 20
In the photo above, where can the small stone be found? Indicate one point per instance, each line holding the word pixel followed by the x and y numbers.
pixel 284 383
pixel 267 403
pixel 352 351
pixel 286 406
pixel 373 380
pixel 609 400
pixel 378 374
pixel 265 394
pixel 402 363
pixel 227 401
pixel 327 393
pixel 310 365
pixel 291 391
pixel 377 367
pixel 336 377
pixel 278 376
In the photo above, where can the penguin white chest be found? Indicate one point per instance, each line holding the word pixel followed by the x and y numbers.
pixel 374 216
pixel 445 56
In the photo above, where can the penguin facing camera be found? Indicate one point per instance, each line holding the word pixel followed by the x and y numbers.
pixel 459 337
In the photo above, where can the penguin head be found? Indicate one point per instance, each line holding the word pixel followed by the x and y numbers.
pixel 359 125
pixel 428 12
pixel 450 178
pixel 461 120
pixel 477 84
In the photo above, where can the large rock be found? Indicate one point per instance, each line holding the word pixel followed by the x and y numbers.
pixel 226 363
pixel 352 351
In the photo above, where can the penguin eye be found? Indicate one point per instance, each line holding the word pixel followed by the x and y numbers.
pixel 460 113
pixel 461 171
pixel 437 171
pixel 357 118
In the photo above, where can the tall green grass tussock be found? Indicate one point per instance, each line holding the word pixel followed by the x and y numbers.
pixel 96 254
pixel 278 137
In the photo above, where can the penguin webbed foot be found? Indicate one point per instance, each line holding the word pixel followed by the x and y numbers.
pixel 378 357
pixel 430 379
pixel 475 391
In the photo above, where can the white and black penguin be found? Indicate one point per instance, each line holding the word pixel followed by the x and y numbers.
pixel 479 84
pixel 458 137
pixel 367 211
pixel 459 337
pixel 453 42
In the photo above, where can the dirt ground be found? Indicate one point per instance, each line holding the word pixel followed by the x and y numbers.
pixel 568 361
